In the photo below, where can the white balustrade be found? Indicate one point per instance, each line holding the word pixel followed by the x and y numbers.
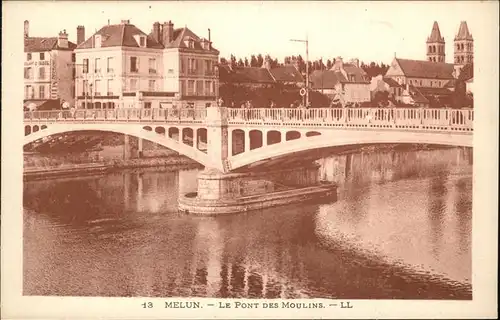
pixel 398 118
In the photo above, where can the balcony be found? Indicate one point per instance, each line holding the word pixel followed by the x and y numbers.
pixel 110 93
pixel 110 70
pixel 134 70
pixel 97 70
pixel 210 73
pixel 152 71
pixel 192 71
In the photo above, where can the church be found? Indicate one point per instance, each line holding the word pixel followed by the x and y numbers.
pixel 432 82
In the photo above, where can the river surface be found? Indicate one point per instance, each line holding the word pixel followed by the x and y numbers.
pixel 401 228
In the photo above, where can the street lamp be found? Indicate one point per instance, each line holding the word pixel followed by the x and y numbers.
pixel 306 41
pixel 91 96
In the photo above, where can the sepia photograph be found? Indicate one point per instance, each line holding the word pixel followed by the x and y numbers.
pixel 250 158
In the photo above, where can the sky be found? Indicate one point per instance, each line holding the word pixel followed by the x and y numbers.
pixel 369 31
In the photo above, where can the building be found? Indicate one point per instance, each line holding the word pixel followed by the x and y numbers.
pixel 346 83
pixel 48 70
pixel 436 45
pixel 122 66
pixel 381 84
pixel 463 46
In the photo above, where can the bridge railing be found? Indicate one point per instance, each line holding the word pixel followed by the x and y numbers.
pixel 131 114
pixel 385 117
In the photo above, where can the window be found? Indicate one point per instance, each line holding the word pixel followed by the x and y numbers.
pixel 134 64
pixel 208 88
pixel 152 85
pixel 110 87
pixel 42 55
pixel 199 87
pixel 97 66
pixel 109 65
pixel 73 57
pixel 28 56
pixel 98 88
pixel 142 41
pixel 183 66
pixel 352 78
pixel 27 73
pixel 192 66
pixel 133 84
pixel 208 68
pixel 183 87
pixel 190 88
pixel 147 105
pixel 420 82
pixel 85 88
pixel 41 92
pixel 85 65
pixel 28 92
pixel 152 65
pixel 41 73
pixel 97 41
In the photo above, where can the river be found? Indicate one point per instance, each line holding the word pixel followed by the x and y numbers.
pixel 401 228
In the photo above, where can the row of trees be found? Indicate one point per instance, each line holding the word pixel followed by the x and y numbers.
pixel 372 69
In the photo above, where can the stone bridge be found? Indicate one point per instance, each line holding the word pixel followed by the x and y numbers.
pixel 231 139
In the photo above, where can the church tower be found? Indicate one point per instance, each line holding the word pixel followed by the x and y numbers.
pixel 435 45
pixel 464 45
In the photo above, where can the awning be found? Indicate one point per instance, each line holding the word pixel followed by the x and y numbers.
pixel 37 104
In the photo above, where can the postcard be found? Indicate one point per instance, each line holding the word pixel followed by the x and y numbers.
pixel 291 159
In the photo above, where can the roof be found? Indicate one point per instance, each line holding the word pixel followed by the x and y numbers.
pixel 463 32
pixel 286 73
pixel 181 34
pixel 417 96
pixel 122 35
pixel 40 44
pixel 244 75
pixel 426 91
pixel 435 34
pixel 426 69
pixel 391 82
pixel 325 79
pixel 467 72
pixel 119 35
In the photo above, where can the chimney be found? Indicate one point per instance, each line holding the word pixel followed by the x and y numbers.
pixel 62 40
pixel 125 22
pixel 209 40
pixel 80 34
pixel 168 32
pixel 156 32
pixel 26 28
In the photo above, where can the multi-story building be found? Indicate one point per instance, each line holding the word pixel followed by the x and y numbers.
pixel 48 70
pixel 346 83
pixel 121 66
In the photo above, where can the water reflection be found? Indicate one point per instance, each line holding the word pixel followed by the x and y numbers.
pixel 401 229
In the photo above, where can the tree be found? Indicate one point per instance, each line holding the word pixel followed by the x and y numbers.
pixel 241 63
pixel 233 61
pixel 223 60
pixel 329 64
pixel 253 61
pixel 247 64
pixel 260 60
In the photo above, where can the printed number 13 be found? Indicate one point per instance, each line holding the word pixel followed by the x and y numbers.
pixel 147 305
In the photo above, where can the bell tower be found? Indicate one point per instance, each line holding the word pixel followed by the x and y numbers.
pixel 435 45
pixel 463 46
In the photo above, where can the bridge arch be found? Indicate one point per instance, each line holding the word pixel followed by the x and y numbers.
pixel 133 130
pixel 339 138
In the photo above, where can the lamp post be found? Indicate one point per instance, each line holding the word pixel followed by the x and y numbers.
pixel 91 96
pixel 306 41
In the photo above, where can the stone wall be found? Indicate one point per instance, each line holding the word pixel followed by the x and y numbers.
pixel 213 184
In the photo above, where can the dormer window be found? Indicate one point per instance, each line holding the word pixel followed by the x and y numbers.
pixel 97 40
pixel 352 78
pixel 141 40
pixel 189 42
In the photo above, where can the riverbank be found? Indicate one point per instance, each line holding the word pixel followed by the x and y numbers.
pixel 71 169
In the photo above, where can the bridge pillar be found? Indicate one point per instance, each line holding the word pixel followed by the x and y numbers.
pixel 126 147
pixel 139 147
pixel 217 137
